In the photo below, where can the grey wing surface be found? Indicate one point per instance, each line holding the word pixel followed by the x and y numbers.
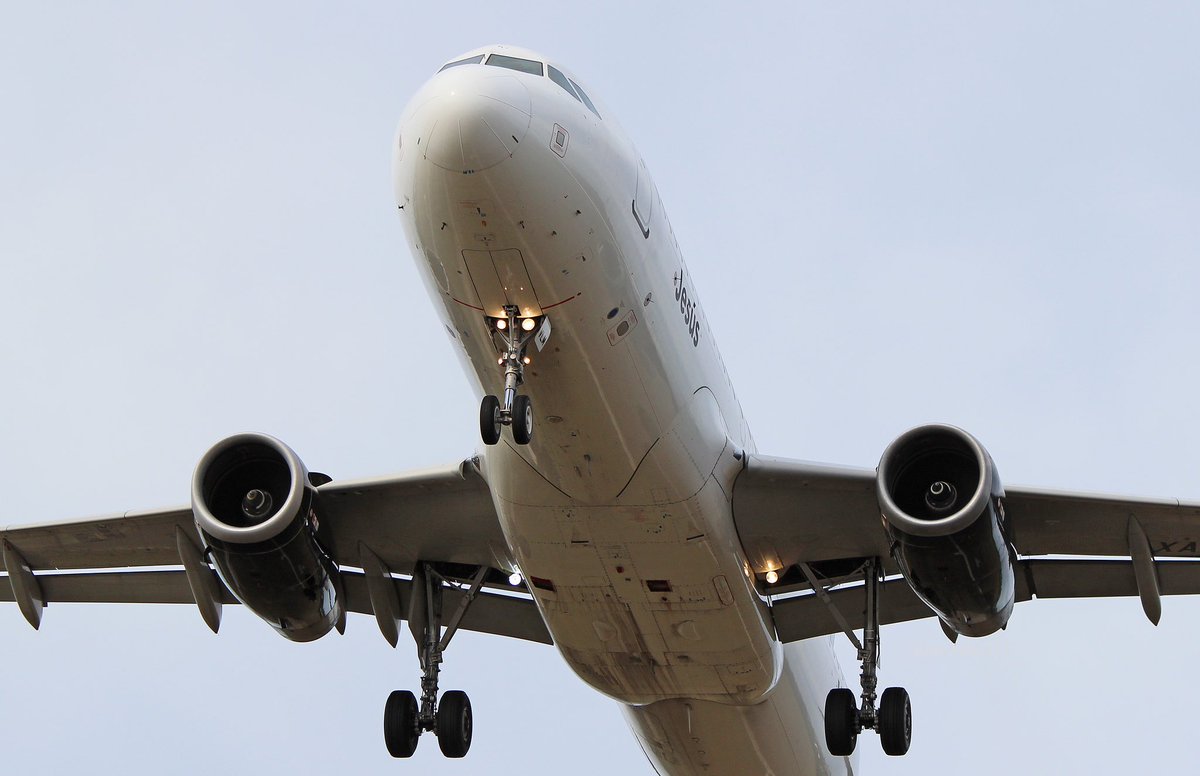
pixel 790 512
pixel 443 515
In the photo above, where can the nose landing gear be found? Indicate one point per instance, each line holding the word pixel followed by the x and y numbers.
pixel 514 410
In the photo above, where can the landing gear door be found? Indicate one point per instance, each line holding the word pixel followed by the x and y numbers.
pixel 500 279
pixel 518 287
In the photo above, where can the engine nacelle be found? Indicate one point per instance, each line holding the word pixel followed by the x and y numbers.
pixel 256 511
pixel 941 501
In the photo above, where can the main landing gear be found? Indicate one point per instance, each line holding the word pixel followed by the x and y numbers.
pixel 404 720
pixel 845 718
pixel 515 410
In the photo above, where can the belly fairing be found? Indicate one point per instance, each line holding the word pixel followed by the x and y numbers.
pixel 647 597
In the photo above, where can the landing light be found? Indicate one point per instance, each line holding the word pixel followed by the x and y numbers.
pixel 527 324
pixel 526 359
pixel 501 324
pixel 772 577
pixel 515 579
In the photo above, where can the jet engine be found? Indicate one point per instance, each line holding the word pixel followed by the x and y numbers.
pixel 256 510
pixel 941 500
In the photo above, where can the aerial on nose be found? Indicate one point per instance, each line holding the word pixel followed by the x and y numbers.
pixel 477 118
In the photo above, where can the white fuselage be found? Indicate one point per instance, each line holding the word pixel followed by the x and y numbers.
pixel 514 192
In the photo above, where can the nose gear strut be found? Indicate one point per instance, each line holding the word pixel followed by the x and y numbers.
pixel 514 410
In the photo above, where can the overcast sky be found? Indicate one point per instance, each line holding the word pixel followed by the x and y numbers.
pixel 983 214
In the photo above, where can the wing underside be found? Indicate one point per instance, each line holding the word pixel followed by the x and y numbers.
pixel 788 514
pixel 792 514
pixel 443 516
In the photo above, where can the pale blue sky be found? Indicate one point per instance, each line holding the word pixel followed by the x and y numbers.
pixel 982 214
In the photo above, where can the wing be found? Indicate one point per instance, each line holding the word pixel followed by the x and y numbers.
pixel 443 515
pixel 790 512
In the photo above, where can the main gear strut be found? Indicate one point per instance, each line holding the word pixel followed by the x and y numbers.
pixel 844 717
pixel 450 718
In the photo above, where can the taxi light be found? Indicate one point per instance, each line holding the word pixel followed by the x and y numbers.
pixel 501 324
pixel 526 359
pixel 528 324
pixel 515 579
pixel 772 577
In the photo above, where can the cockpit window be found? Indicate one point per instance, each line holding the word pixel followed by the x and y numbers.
pixel 475 60
pixel 583 96
pixel 557 77
pixel 515 63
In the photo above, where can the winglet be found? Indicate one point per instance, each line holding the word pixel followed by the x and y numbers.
pixel 26 589
pixel 1144 571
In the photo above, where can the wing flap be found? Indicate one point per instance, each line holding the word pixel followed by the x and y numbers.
pixel 1104 578
pixel 806 616
pixel 109 587
pixel 501 615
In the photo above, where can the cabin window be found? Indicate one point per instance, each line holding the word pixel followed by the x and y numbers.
pixel 516 63
pixel 475 60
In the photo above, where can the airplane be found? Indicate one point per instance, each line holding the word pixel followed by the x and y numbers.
pixel 617 484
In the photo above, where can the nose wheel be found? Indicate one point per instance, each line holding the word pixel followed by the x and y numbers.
pixel 515 410
pixel 522 420
pixel 490 420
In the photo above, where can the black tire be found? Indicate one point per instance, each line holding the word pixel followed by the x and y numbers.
pixel 841 722
pixel 522 420
pixel 489 420
pixel 454 723
pixel 400 731
pixel 895 721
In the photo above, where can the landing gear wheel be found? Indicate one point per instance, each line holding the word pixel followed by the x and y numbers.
pixel 841 722
pixel 522 420
pixel 489 420
pixel 400 731
pixel 895 721
pixel 454 723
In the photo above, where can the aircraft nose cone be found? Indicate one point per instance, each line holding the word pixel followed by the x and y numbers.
pixel 477 121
